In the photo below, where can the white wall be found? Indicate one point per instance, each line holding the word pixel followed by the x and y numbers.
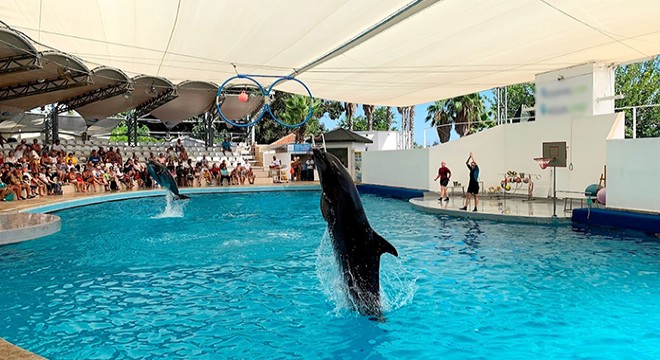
pixel 633 174
pixel 400 168
pixel 574 92
pixel 382 140
pixel 503 148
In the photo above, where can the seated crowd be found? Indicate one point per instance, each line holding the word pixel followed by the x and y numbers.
pixel 31 170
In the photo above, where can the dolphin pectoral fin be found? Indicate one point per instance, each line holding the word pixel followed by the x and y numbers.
pixel 384 245
pixel 181 197
pixel 326 207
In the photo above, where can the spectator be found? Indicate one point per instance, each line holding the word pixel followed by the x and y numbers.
pixel 226 146
pixel 35 146
pixel 179 146
pixel 57 147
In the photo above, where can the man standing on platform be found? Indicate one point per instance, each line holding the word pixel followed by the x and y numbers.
pixel 444 174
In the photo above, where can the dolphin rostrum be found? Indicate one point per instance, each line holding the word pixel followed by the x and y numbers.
pixel 163 177
pixel 356 245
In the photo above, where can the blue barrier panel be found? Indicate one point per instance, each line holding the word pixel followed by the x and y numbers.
pixel 649 223
pixel 388 191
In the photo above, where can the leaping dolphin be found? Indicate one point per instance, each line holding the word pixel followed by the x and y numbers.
pixel 356 245
pixel 163 177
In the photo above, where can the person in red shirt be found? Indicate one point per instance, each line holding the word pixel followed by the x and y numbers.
pixel 444 174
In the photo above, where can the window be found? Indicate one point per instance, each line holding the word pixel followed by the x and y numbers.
pixel 341 154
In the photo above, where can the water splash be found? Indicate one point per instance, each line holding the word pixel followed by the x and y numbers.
pixel 398 285
pixel 173 209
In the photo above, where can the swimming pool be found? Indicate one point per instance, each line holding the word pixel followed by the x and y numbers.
pixel 251 276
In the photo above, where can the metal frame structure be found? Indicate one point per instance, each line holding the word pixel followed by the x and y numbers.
pixel 132 128
pixel 20 63
pixel 208 126
pixel 44 86
pixel 94 96
pixel 502 104
pixel 51 126
pixel 160 100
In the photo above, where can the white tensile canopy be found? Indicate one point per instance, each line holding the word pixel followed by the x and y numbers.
pixel 382 52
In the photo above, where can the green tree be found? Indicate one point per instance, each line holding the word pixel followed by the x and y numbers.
pixel 380 121
pixel 516 96
pixel 120 133
pixel 350 111
pixel 640 84
pixel 296 109
pixel 268 130
pixel 466 113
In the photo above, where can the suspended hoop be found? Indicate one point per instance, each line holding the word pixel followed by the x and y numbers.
pixel 218 95
pixel 265 94
pixel 544 161
pixel 311 103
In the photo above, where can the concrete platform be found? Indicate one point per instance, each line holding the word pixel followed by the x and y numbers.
pixel 18 227
pixel 537 211
pixel 9 351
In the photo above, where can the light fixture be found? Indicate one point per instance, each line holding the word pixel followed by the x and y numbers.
pixel 243 96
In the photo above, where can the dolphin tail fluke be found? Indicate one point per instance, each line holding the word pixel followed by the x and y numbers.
pixel 384 245
pixel 181 197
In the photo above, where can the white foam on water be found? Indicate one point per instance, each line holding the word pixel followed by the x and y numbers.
pixel 398 285
pixel 173 209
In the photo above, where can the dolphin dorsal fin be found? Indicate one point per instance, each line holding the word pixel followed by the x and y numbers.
pixel 384 245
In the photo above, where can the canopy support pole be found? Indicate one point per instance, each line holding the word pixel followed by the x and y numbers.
pixel 51 126
pixel 131 122
pixel 208 125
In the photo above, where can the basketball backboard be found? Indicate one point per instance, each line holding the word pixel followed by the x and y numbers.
pixel 557 151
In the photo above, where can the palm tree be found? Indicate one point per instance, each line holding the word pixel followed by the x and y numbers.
pixel 437 115
pixel 462 111
pixel 468 109
pixel 350 111
pixel 369 113
pixel 389 116
pixel 297 109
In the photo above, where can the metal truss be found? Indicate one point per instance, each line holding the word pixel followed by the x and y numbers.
pixel 208 126
pixel 51 126
pixel 19 63
pixel 132 125
pixel 72 80
pixel 156 102
pixel 94 96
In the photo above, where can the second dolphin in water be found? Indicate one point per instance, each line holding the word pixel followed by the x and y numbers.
pixel 164 178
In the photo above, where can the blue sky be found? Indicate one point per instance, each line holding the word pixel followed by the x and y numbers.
pixel 421 125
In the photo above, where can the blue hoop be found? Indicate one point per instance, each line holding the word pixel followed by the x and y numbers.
pixel 217 103
pixel 311 97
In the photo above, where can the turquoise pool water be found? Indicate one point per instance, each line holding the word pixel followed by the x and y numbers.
pixel 251 276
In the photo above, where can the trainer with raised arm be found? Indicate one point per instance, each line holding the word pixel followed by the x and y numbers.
pixel 473 186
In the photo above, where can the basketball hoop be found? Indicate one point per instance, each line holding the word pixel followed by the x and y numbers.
pixel 543 161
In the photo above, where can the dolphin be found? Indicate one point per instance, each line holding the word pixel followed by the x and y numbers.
pixel 163 177
pixel 357 247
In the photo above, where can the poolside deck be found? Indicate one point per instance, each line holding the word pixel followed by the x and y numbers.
pixel 9 351
pixel 511 209
pixel 17 206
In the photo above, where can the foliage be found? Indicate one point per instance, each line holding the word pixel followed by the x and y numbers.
pixel 296 109
pixel 120 134
pixel 380 121
pixel 640 84
pixel 466 113
pixel 199 131
pixel 350 111
pixel 516 96
pixel 334 109
pixel 268 130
